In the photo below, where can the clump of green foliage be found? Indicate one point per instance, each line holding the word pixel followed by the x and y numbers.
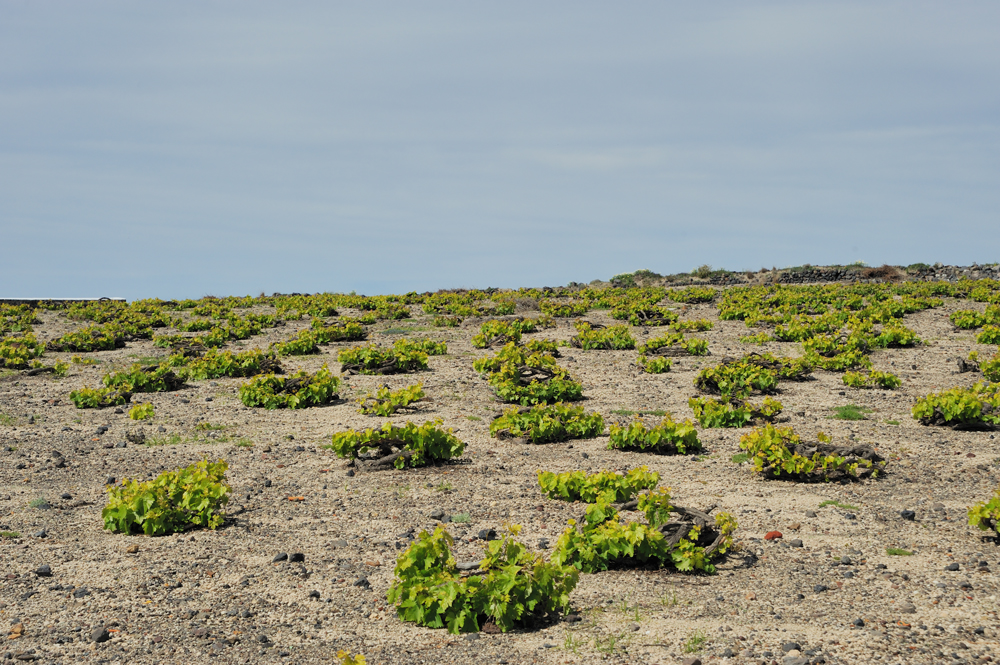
pixel 175 501
pixel 590 337
pixel 444 321
pixel 515 586
pixel 874 379
pixel 521 375
pixel 144 379
pixel 667 438
pixel 692 325
pixel 985 514
pixel 736 379
pixel 779 453
pixel 607 485
pixel 142 411
pixel 403 356
pixel 977 407
pixel 89 398
pixel 713 413
pixel 989 335
pixel 603 541
pixel 386 402
pixel 499 332
pixel 19 352
pixel 93 338
pixel 548 423
pixel 693 294
pixel 417 445
pixel 298 391
pixel 215 364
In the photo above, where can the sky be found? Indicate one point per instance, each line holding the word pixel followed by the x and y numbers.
pixel 185 149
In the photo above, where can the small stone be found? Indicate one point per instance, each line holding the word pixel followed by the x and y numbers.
pixel 350 473
pixel 280 556
pixel 487 534
pixel 845 561
pixel 314 594
pixel 362 582
pixel 471 637
pixel 908 608
pixel 789 646
pixel 691 660
pixel 543 543
pixel 208 399
pixel 751 595
pixel 296 557
pixel 132 549
pixel 584 455
pixel 860 623
pixel 848 574
pixel 820 588
pixel 263 639
pixel 121 444
pixel 436 514
pixel 795 542
pixel 951 567
pixel 728 653
pixel 41 533
pixel 161 428
pixel 45 570
pixel 100 634
pixel 810 513
pixel 110 480
pixel 467 565
pixel 908 515
pixel 65 496
pixel 267 482
pixel 772 535
pixel 339 543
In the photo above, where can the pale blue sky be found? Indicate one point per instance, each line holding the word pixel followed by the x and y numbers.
pixel 189 148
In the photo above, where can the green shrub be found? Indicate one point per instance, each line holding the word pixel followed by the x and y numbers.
pixel 141 411
pixel 344 331
pixel 442 321
pixel 305 343
pixel 966 319
pixel 563 309
pixel 497 332
pixel 896 336
pixel 736 380
pixel 654 365
pixel 88 398
pixel 989 335
pixel 774 454
pixel 694 294
pixel 403 356
pixel 692 325
pixel 604 542
pixel 968 408
pixel 144 379
pixel 712 413
pixel 519 375
pixel 607 485
pixel 516 587
pixel 174 501
pixel 547 423
pixel 674 344
pixel 386 402
pixel 18 352
pixel 94 338
pixel 613 337
pixel 215 364
pixel 874 379
pixel 417 445
pixel 643 314
pixel 991 368
pixel 667 438
pixel 985 514
pixel 298 391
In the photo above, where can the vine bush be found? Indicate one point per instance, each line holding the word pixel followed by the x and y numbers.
pixel 779 453
pixel 607 485
pixel 386 402
pixel 410 445
pixel 548 423
pixel 298 391
pixel 977 407
pixel 613 337
pixel 713 413
pixel 667 438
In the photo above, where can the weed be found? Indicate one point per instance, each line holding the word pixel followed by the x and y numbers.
pixel 895 551
pixel 38 503
pixel 444 487
pixel 571 643
pixel 460 518
pixel 669 599
pixel 243 443
pixel 7 420
pixel 739 458
pixel 203 426
pixel 473 418
pixel 838 504
pixel 892 422
pixel 850 412
pixel 625 412
pixel 10 534
pixel 609 644
pixel 168 440
pixel 694 643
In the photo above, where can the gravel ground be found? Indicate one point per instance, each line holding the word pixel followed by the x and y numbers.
pixel 825 592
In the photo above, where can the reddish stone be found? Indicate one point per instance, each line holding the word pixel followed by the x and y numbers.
pixel 772 535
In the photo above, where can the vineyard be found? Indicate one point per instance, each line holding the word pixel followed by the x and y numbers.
pixel 644 470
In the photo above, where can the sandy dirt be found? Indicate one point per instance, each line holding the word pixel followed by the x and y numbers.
pixel 201 595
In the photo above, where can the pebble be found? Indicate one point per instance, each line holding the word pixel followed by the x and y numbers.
pixel 110 480
pixel 860 623
pixel 45 570
pixel 772 535
pixel 467 565
pixel 543 543
pixel 41 533
pixel 908 515
pixel 795 542
pixel 132 549
pixel 296 557
pixel 267 482
pixel 845 560
pixel 951 566
pixel 487 534
pixel 691 660
pixel 436 514
pixel 339 543
pixel 66 496
pixel 350 473
pixel 362 582
pixel 100 634
pixel 820 588
pixel 280 556
pixel 908 608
